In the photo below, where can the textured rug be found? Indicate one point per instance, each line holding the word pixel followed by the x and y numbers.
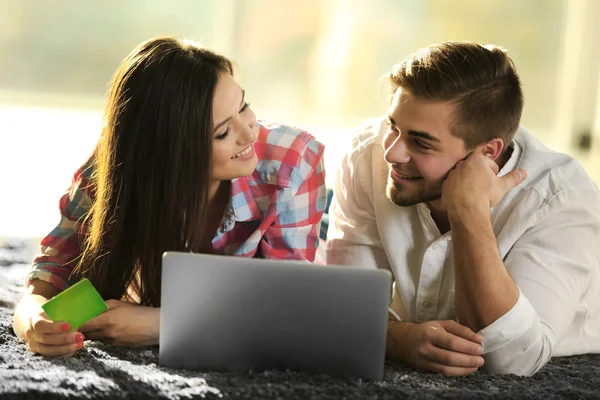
pixel 106 372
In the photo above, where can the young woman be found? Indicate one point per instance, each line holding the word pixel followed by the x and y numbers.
pixel 181 165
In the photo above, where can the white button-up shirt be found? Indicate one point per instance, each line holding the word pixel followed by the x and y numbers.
pixel 548 234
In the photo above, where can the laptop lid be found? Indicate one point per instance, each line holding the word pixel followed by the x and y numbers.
pixel 231 313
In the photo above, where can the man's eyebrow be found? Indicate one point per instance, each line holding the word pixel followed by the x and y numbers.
pixel 423 135
pixel 226 120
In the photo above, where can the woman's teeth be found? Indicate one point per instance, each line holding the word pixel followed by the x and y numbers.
pixel 243 152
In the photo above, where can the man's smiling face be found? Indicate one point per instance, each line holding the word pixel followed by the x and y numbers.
pixel 419 148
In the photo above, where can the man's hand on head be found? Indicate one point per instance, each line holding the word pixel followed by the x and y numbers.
pixel 473 184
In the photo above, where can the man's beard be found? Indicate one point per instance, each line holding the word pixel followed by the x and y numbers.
pixel 402 199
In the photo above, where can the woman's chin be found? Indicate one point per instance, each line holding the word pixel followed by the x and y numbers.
pixel 245 167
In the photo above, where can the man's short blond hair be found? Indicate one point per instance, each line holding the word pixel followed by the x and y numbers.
pixel 481 80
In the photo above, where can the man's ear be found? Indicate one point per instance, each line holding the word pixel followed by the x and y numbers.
pixel 492 149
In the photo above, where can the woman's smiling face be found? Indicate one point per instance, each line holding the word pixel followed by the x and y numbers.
pixel 234 132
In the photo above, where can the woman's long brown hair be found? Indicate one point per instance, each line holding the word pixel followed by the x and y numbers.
pixel 151 167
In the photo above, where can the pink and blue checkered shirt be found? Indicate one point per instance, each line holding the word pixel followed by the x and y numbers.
pixel 273 213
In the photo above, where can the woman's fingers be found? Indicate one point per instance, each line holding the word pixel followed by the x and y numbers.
pixel 41 324
pixel 55 351
pixel 52 338
pixel 58 339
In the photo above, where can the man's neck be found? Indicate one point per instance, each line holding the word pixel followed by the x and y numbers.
pixel 439 216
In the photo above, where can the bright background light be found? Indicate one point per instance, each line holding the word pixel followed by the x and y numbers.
pixel 315 64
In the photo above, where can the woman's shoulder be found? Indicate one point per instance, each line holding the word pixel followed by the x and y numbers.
pixel 285 143
pixel 286 154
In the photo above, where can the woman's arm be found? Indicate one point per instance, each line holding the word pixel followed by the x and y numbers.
pixel 32 325
pixel 50 272
pixel 125 324
pixel 61 248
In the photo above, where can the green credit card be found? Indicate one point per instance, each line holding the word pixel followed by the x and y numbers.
pixel 76 305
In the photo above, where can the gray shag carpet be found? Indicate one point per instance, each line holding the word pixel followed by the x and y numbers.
pixel 107 372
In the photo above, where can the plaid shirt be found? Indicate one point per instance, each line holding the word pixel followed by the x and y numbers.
pixel 273 213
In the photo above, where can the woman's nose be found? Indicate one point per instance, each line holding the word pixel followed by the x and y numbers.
pixel 248 134
pixel 251 118
pixel 247 128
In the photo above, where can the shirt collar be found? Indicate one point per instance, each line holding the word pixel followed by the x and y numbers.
pixel 513 162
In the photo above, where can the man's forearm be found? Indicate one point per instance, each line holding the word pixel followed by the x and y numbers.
pixel 485 291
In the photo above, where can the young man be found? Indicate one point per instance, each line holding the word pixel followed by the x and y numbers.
pixel 493 238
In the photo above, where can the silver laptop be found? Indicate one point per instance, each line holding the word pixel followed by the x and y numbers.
pixel 231 313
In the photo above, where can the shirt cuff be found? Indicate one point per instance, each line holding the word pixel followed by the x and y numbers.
pixel 515 323
pixel 46 276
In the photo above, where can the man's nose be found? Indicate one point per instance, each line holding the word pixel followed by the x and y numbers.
pixel 397 153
